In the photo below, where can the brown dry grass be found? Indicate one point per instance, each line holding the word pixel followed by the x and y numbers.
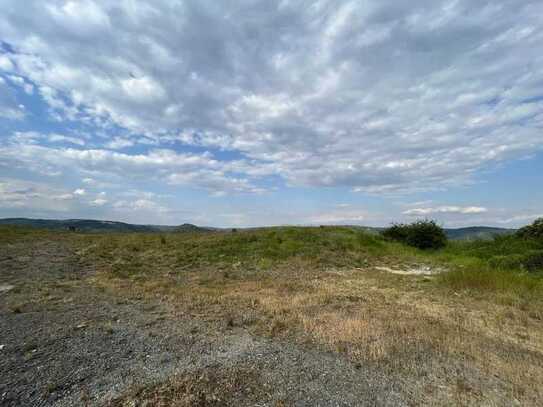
pixel 443 346
pixel 468 347
pixel 207 388
pixel 472 347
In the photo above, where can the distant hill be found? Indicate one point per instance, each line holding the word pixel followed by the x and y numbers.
pixel 477 232
pixel 190 228
pixel 84 225
pixel 89 225
pixel 467 233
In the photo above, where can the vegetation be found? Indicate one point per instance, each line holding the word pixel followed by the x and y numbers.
pixel 507 264
pixel 423 234
pixel 323 286
pixel 252 251
pixel 533 231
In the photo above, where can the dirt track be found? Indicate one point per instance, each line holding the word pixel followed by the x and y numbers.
pixel 64 342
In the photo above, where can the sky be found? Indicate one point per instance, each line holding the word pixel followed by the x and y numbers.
pixel 258 112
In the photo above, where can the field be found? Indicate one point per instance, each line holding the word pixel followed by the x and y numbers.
pixel 277 316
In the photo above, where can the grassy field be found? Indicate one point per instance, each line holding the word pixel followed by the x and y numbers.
pixel 472 333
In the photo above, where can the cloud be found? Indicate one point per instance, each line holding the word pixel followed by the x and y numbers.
pixel 380 96
pixel 521 218
pixel 341 214
pixel 59 138
pixel 80 192
pixel 20 82
pixel 99 202
pixel 141 205
pixel 35 196
pixel 119 143
pixel 161 165
pixel 5 63
pixel 9 108
pixel 466 210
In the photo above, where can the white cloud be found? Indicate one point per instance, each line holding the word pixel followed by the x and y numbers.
pixel 80 192
pixel 521 218
pixel 367 95
pixel 33 196
pixel 166 166
pixel 142 90
pixel 9 108
pixel 82 17
pixel 141 205
pixel 59 138
pixel 12 113
pixel 88 181
pixel 119 143
pixel 5 63
pixel 461 210
pixel 65 197
pixel 99 202
pixel 341 214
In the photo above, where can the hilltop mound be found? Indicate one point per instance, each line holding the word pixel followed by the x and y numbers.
pixel 190 228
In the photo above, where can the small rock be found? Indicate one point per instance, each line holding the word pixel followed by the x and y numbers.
pixel 6 287
pixel 81 326
pixel 2 347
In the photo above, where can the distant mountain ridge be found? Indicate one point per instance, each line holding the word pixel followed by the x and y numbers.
pixel 466 233
pixel 477 232
pixel 90 225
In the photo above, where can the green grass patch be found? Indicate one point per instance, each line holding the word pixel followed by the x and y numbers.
pixel 14 234
pixel 256 249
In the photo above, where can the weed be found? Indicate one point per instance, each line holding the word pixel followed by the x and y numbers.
pixel 423 234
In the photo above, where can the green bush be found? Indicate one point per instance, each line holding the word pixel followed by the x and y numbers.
pixel 533 261
pixel 397 232
pixel 423 234
pixel 506 262
pixel 533 231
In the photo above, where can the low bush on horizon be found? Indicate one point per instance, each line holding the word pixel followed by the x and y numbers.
pixel 533 231
pixel 515 252
pixel 422 234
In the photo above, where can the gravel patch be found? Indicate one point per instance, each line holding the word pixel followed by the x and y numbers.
pixel 85 347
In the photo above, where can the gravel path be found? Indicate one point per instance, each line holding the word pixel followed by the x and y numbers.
pixel 65 343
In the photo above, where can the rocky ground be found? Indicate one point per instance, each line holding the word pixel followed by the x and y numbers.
pixel 65 342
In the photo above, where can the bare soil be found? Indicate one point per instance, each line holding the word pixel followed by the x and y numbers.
pixel 66 342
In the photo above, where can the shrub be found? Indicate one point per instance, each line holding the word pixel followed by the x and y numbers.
pixel 531 261
pixel 397 231
pixel 423 234
pixel 533 231
pixel 506 262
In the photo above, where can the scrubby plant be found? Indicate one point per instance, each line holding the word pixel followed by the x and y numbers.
pixel 533 231
pixel 426 235
pixel 397 232
pixel 533 261
pixel 422 234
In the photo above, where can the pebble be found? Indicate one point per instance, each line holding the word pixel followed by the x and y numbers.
pixel 6 287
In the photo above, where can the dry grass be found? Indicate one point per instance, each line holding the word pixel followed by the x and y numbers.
pixel 472 346
pixel 473 350
pixel 211 387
